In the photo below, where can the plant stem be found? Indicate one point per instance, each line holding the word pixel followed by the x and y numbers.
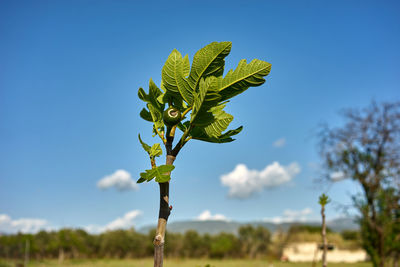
pixel 182 141
pixel 186 111
pixel 165 209
pixel 164 212
pixel 161 135
pixel 325 242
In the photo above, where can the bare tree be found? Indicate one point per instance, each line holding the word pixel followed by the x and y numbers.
pixel 367 150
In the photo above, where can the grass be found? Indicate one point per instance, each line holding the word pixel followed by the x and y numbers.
pixel 175 263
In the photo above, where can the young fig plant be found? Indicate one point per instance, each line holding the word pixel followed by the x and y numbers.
pixel 191 99
pixel 323 201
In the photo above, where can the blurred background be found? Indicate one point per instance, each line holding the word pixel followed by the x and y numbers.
pixel 325 121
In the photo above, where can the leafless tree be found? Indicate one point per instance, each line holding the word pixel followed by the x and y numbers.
pixel 367 149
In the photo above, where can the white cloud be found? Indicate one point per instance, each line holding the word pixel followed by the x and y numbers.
pixel 24 225
pixel 280 142
pixel 206 216
pixel 291 216
pixel 124 222
pixel 243 182
pixel 30 225
pixel 94 229
pixel 337 176
pixel 121 179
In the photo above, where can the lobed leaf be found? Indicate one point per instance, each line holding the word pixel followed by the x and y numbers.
pixel 145 146
pixel 161 173
pixel 244 76
pixel 156 117
pixel 219 124
pixel 210 60
pixel 203 89
pixel 141 180
pixel 223 138
pixel 232 132
pixel 151 97
pixel 215 112
pixel 206 97
pixel 169 72
pixel 145 114
pixel 184 89
pixel 155 107
pixel 155 150
pixel 175 68
pixel 212 123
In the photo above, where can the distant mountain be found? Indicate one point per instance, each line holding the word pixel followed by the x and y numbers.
pixel 202 227
pixel 215 227
pixel 341 224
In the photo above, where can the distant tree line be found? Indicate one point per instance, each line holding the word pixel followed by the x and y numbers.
pixel 250 242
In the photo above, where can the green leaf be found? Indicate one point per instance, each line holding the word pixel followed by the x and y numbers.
pixel 199 98
pixel 155 150
pixel 145 114
pixel 206 116
pixel 244 76
pixel 161 173
pixel 169 71
pixel 183 126
pixel 206 97
pixel 156 117
pixel 145 146
pixel 185 66
pixel 151 97
pixel 232 132
pixel 141 180
pixel 323 200
pixel 175 100
pixel 210 60
pixel 162 177
pixel 175 68
pixel 154 93
pixel 148 175
pixel 220 123
pixel 184 89
pixel 155 107
pixel 224 138
pixel 215 120
pixel 142 95
pixel 207 61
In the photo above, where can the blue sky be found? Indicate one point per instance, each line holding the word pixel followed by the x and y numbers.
pixel 69 74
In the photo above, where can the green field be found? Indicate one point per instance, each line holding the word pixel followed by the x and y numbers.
pixel 175 263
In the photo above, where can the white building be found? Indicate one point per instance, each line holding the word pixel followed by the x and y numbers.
pixel 309 251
